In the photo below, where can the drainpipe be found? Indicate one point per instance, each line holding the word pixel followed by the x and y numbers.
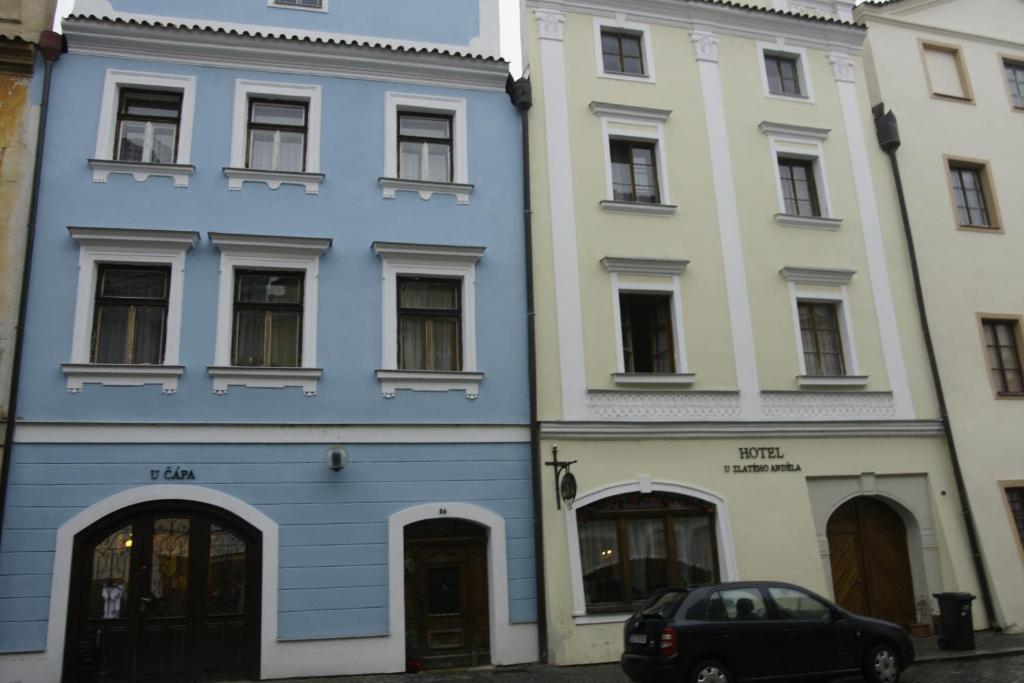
pixel 522 97
pixel 888 135
pixel 50 46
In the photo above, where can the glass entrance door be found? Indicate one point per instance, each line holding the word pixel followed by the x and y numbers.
pixel 164 596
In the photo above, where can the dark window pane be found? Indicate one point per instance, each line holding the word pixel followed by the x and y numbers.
pixel 130 318
pixel 412 343
pixel 634 171
pixel 969 193
pixel 227 573
pixel 269 288
pixel 250 327
pixel 425 126
pixel 1015 79
pixel 1004 355
pixel 796 604
pixel 622 52
pixel 695 560
pixel 1015 496
pixel 820 335
pixel 799 190
pixel 147 127
pixel 169 568
pixel 149 334
pixel 783 75
pixel 647 334
pixel 648 557
pixel 602 567
pixel 133 283
pixel 111 564
pixel 151 105
pixel 279 114
pixel 284 338
pixel 429 324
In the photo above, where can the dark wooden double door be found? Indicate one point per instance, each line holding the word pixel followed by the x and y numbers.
pixel 164 594
pixel 867 544
pixel 446 612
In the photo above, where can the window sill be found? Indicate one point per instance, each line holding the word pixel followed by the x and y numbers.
pixel 273 179
pixel 990 229
pixel 429 380
pixel 802 99
pixel 638 207
pixel 425 188
pixel 635 78
pixel 102 168
pixel 813 222
pixel 80 374
pixel 832 381
pixel 264 378
pixel 674 379
pixel 587 619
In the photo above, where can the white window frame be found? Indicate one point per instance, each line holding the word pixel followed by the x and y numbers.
pixel 805 143
pixel 323 7
pixel 236 171
pixel 780 48
pixel 824 285
pixel 669 272
pixel 100 246
pixel 266 252
pixel 618 22
pixel 399 259
pixel 641 124
pixel 460 187
pixel 103 163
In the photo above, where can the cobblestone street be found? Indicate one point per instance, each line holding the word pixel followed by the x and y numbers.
pixel 990 670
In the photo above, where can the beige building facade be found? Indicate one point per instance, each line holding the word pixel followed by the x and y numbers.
pixel 21 21
pixel 727 340
pixel 952 71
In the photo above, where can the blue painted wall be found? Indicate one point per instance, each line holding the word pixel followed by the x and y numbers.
pixel 333 526
pixel 452 22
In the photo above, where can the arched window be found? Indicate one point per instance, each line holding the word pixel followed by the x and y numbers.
pixel 633 544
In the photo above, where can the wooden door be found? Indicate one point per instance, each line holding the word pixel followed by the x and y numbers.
pixel 164 595
pixel 446 595
pixel 870 564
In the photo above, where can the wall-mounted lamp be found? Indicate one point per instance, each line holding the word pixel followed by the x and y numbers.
pixel 565 481
pixel 337 458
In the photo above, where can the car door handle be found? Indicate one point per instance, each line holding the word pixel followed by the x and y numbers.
pixel 792 631
pixel 725 632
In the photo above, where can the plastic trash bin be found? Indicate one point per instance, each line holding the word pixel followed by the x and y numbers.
pixel 956 625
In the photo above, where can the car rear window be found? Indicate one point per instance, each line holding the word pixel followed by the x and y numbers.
pixel 664 604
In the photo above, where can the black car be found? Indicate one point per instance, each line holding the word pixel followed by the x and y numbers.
pixel 757 631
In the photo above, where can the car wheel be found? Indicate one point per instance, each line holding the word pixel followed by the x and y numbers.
pixel 711 672
pixel 882 664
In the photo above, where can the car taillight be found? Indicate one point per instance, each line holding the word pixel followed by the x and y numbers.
pixel 669 645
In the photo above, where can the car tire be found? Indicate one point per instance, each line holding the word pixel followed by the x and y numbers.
pixel 882 664
pixel 711 671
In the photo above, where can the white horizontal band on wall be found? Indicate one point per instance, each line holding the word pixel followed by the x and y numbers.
pixel 94 432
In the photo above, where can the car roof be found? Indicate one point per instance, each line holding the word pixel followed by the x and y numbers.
pixel 705 588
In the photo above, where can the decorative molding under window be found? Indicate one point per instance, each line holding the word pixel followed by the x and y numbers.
pixel 271 378
pixel 426 189
pixel 663 406
pixel 644 266
pixel 102 168
pixel 80 374
pixel 812 222
pixel 639 207
pixel 832 381
pixel 273 179
pixel 429 380
pixel 825 277
pixel 677 379
pixel 828 405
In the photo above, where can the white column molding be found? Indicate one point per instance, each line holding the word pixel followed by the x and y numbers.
pixel 568 307
pixel 871 222
pixel 842 66
pixel 705 46
pixel 729 229
pixel 550 24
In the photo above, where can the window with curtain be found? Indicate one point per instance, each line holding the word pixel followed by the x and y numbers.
pixel 130 315
pixel 277 135
pixel 822 341
pixel 267 319
pixel 147 126
pixel 634 171
pixel 783 74
pixel 1004 356
pixel 622 52
pixel 647 336
pixel 425 147
pixel 429 324
pixel 970 195
pixel 637 543
pixel 799 190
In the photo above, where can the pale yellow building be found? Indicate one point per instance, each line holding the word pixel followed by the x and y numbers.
pixel 21 21
pixel 952 71
pixel 727 337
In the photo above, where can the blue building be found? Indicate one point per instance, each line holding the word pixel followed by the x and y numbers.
pixel 274 409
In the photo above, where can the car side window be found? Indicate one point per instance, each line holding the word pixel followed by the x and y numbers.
pixel 736 604
pixel 796 604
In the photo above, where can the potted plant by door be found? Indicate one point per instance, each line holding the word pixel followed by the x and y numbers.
pixel 923 627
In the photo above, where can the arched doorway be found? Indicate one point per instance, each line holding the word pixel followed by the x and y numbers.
pixel 164 591
pixel 447 617
pixel 871 575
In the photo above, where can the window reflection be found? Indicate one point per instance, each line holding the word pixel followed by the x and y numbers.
pixel 111 563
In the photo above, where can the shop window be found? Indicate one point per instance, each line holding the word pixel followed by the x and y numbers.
pixel 637 543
